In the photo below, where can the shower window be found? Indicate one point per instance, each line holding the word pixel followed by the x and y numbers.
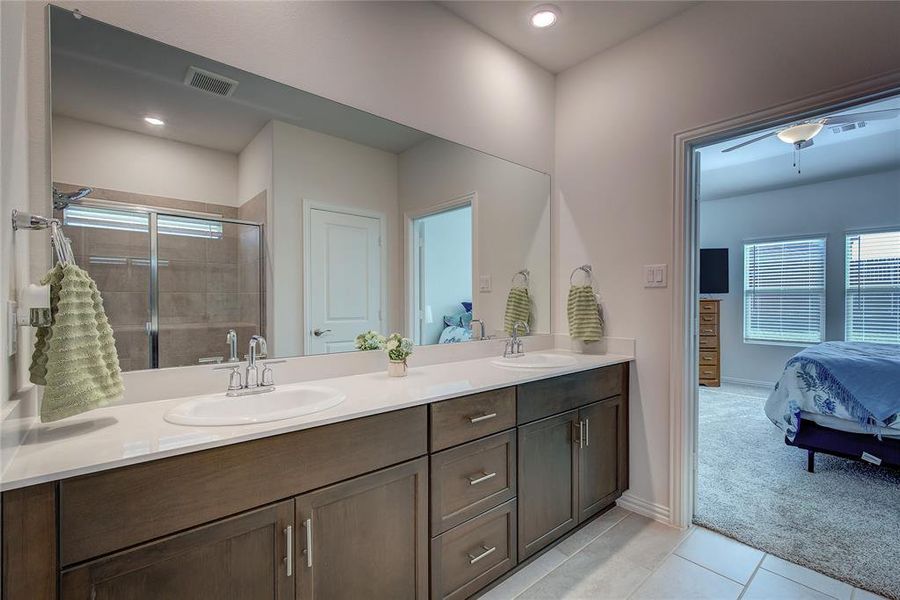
pixel 104 218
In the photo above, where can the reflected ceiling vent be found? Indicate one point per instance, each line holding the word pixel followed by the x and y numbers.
pixel 209 81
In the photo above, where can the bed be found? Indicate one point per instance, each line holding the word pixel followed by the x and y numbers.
pixel 458 326
pixel 841 398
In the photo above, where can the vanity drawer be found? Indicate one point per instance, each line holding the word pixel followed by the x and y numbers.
pixel 709 328
pixel 709 341
pixel 108 511
pixel 469 479
pixel 471 555
pixel 548 397
pixel 709 357
pixel 468 418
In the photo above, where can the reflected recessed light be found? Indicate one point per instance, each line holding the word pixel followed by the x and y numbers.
pixel 154 121
pixel 544 16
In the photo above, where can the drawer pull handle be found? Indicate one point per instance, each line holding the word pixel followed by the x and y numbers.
pixel 309 541
pixel 587 433
pixel 485 417
pixel 487 551
pixel 289 543
pixel 476 479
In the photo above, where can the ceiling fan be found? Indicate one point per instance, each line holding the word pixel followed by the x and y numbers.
pixel 800 135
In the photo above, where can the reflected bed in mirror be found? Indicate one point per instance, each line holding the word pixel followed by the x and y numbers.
pixel 223 201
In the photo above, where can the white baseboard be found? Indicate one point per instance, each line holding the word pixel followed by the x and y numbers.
pixel 651 510
pixel 752 382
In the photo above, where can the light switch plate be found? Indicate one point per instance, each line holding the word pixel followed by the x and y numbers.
pixel 484 283
pixel 656 276
pixel 12 330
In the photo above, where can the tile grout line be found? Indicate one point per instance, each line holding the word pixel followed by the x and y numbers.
pixel 628 513
pixel 692 530
pixel 752 576
pixel 803 584
pixel 716 572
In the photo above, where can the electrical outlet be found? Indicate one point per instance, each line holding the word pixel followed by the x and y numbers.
pixel 12 329
pixel 656 276
pixel 484 283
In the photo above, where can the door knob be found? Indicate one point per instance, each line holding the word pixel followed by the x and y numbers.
pixel 320 332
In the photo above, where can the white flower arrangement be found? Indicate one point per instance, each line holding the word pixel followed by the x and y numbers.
pixel 398 347
pixel 370 340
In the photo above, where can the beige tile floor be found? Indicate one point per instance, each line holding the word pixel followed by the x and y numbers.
pixel 624 555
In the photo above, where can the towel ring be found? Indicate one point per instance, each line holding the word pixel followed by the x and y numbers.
pixel 524 274
pixel 587 271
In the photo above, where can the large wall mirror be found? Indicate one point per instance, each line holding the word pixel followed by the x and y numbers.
pixel 221 201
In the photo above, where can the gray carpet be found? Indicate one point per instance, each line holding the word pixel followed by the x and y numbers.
pixel 843 520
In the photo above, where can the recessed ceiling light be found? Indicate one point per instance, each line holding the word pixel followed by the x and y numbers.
pixel 154 121
pixel 544 16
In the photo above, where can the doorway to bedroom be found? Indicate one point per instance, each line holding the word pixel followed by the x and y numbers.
pixel 798 294
pixel 441 275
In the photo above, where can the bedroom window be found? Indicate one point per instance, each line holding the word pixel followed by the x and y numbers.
pixel 873 287
pixel 784 291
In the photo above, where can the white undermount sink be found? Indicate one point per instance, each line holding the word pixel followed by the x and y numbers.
pixel 536 361
pixel 282 403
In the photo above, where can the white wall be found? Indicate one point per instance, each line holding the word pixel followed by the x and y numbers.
pixel 87 153
pixel 447 267
pixel 254 169
pixel 831 208
pixel 513 220
pixel 616 118
pixel 308 165
pixel 413 62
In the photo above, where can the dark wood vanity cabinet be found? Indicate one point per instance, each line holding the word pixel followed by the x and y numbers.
pixel 366 537
pixel 431 501
pixel 239 557
pixel 573 464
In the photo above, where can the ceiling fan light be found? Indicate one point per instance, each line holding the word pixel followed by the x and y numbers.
pixel 797 134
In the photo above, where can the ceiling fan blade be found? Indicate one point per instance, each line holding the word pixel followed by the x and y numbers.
pixel 875 115
pixel 748 142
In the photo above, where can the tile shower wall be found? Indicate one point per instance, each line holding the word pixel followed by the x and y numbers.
pixel 206 286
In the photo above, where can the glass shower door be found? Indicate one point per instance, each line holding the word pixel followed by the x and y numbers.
pixel 208 280
pixel 113 246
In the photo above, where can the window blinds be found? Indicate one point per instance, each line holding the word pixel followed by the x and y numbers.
pixel 873 287
pixel 784 291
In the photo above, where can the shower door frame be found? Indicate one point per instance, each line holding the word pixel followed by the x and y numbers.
pixel 153 214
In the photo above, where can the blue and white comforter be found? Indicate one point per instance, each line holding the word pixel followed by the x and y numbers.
pixel 854 381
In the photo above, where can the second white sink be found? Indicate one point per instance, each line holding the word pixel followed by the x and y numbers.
pixel 283 403
pixel 536 361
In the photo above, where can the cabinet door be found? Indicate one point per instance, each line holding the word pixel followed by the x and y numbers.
pixel 242 557
pixel 602 469
pixel 366 537
pixel 548 482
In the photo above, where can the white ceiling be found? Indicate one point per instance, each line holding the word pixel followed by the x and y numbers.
pixel 114 77
pixel 584 28
pixel 768 164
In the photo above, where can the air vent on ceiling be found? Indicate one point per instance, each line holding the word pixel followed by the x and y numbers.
pixel 209 82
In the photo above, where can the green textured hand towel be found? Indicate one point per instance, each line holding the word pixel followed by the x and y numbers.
pixel 585 323
pixel 75 358
pixel 518 308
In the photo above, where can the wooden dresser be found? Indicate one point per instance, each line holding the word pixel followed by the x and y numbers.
pixel 710 354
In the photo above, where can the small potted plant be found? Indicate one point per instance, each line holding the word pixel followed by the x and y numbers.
pixel 370 340
pixel 398 349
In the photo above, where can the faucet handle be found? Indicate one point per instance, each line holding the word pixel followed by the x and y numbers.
pixel 268 377
pixel 234 379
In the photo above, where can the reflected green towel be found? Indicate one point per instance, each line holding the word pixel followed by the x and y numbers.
pixel 585 323
pixel 75 358
pixel 518 308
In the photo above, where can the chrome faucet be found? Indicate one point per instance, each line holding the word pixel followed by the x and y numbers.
pixel 514 347
pixel 231 339
pixel 254 382
pixel 481 328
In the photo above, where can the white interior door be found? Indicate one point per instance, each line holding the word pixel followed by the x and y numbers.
pixel 344 266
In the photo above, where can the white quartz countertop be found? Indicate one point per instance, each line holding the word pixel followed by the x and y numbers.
pixel 128 434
